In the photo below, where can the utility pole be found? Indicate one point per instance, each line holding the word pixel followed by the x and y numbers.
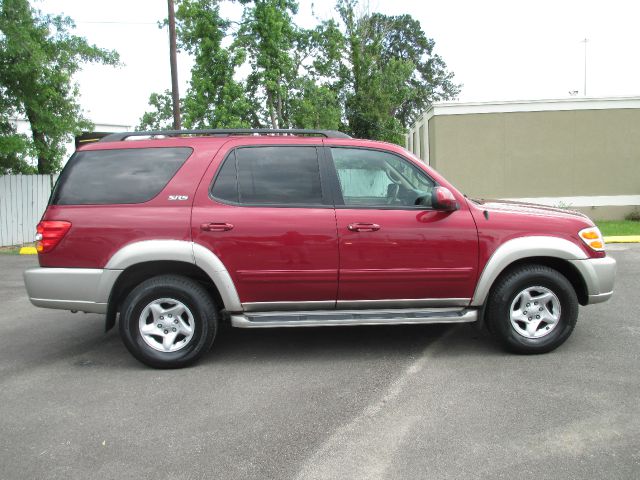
pixel 585 64
pixel 175 94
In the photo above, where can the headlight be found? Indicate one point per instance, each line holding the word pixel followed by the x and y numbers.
pixel 593 238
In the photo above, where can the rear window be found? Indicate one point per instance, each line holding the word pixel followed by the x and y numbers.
pixel 133 175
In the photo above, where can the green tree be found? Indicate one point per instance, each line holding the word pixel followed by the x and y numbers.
pixel 214 98
pixel 38 58
pixel 161 117
pixel 291 69
pixel 269 38
pixel 403 39
pixel 315 94
pixel 368 74
pixel 390 73
pixel 315 106
pixel 13 146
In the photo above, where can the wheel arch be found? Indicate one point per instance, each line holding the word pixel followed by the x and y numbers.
pixel 553 252
pixel 141 260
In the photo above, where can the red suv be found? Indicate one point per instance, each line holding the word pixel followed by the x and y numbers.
pixel 296 228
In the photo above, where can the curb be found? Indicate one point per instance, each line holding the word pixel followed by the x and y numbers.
pixel 28 251
pixel 622 239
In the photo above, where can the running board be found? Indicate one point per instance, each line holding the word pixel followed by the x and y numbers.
pixel 332 318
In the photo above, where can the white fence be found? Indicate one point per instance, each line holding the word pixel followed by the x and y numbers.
pixel 23 199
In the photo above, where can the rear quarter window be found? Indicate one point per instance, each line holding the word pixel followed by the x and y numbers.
pixel 133 175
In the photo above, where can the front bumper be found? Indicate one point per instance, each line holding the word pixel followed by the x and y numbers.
pixel 599 276
pixel 83 289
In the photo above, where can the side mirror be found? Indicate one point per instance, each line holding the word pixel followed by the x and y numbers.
pixel 442 199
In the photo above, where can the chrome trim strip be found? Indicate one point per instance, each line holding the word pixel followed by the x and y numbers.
pixel 403 303
pixel 288 306
pixel 355 304
pixel 519 248
pixel 366 318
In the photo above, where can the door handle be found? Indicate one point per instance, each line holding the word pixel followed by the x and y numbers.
pixel 364 227
pixel 216 227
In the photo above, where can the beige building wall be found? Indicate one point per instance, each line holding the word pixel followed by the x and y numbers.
pixel 586 158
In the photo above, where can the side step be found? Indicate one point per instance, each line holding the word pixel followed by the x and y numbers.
pixel 332 318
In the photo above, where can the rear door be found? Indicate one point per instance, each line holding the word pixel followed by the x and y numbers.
pixel 263 211
pixel 393 252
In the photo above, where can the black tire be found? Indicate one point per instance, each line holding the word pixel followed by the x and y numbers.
pixel 505 293
pixel 192 295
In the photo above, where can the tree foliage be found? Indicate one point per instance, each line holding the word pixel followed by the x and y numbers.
pixel 13 146
pixel 315 98
pixel 269 37
pixel 161 117
pixel 38 58
pixel 214 98
pixel 393 76
pixel 367 74
pixel 401 39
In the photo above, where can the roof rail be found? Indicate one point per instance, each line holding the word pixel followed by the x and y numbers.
pixel 117 137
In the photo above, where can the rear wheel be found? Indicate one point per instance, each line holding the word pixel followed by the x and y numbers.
pixel 168 321
pixel 532 309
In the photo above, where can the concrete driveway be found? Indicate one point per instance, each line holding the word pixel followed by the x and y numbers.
pixel 429 402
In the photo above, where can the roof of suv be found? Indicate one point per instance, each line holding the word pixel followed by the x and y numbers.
pixel 175 138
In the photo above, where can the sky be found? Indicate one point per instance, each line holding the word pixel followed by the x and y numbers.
pixel 498 50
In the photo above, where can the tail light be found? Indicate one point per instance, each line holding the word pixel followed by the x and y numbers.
pixel 49 233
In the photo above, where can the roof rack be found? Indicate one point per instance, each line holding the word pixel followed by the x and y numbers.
pixel 117 137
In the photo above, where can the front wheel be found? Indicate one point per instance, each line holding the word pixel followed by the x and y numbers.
pixel 168 321
pixel 532 309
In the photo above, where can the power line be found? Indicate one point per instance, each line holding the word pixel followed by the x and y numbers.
pixel 117 22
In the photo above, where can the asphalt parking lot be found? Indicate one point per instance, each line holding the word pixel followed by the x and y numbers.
pixel 342 403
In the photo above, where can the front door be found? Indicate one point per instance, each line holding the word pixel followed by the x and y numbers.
pixel 262 210
pixel 393 252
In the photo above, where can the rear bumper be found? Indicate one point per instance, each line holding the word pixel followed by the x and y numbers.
pixel 599 276
pixel 84 289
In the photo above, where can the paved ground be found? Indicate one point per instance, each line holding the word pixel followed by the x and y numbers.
pixel 368 402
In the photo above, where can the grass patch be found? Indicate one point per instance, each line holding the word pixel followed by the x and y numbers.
pixel 618 227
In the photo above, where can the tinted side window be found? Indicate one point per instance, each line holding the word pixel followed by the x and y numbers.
pixel 226 182
pixel 374 178
pixel 132 175
pixel 274 176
